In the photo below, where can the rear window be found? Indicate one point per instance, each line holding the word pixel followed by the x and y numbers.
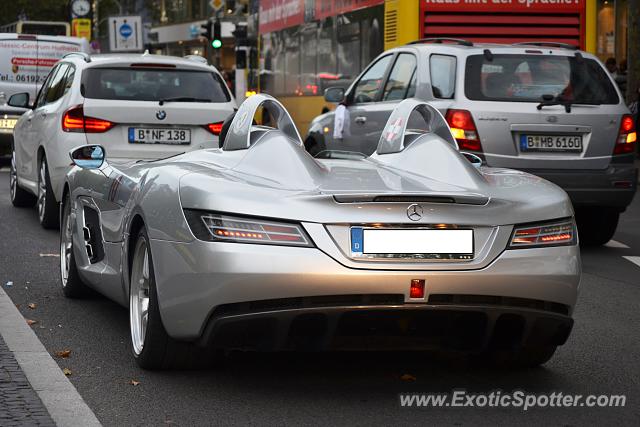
pixel 526 78
pixel 153 85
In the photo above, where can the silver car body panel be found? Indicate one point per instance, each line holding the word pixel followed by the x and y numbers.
pixel 275 178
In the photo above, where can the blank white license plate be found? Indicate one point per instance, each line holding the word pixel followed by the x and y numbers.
pixel 402 241
pixel 8 123
pixel 550 143
pixel 159 136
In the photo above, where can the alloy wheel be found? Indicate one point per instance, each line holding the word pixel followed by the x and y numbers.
pixel 139 295
pixel 66 247
pixel 42 190
pixel 13 177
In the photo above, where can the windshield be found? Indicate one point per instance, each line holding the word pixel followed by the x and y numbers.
pixel 526 78
pixel 154 85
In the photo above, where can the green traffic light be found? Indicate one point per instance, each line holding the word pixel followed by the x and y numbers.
pixel 217 44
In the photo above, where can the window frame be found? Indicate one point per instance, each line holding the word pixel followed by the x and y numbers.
pixel 44 88
pixel 455 76
pixel 385 76
pixel 390 70
pixel 64 68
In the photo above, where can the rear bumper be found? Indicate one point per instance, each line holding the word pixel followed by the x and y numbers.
pixel 381 327
pixel 202 283
pixel 614 186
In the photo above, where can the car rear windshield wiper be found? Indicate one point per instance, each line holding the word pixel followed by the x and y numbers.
pixel 183 99
pixel 549 100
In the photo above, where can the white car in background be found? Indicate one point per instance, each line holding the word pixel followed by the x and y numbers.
pixel 139 107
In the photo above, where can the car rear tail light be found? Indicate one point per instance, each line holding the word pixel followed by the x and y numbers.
pixel 560 233
pixel 627 136
pixel 223 228
pixel 416 291
pixel 214 128
pixel 74 120
pixel 464 130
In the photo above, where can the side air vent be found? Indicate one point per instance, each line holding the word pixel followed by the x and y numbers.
pixel 92 235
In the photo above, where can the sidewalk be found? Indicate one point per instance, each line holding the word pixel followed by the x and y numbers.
pixel 19 403
pixel 33 389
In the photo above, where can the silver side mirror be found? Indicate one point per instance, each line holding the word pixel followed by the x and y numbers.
pixel 88 156
pixel 20 100
pixel 334 94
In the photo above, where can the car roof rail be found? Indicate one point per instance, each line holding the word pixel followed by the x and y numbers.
pixel 548 44
pixel 461 42
pixel 196 58
pixel 83 55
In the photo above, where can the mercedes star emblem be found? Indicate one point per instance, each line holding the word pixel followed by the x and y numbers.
pixel 414 212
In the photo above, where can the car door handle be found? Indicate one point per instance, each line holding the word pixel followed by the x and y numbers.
pixel 361 120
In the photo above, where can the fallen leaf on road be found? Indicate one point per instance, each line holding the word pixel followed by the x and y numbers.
pixel 31 322
pixel 407 377
pixel 32 305
pixel 134 382
pixel 50 255
pixel 9 284
pixel 64 353
pixel 66 371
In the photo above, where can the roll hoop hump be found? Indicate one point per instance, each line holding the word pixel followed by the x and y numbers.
pixel 238 137
pixel 392 139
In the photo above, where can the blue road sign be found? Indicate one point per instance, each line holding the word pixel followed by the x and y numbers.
pixel 125 30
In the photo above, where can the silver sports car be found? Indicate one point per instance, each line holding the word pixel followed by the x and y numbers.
pixel 257 245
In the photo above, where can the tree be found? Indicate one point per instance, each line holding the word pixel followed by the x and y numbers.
pixel 34 10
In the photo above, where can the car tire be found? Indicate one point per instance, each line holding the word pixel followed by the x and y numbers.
pixel 72 284
pixel 48 213
pixel 524 358
pixel 596 226
pixel 152 347
pixel 20 198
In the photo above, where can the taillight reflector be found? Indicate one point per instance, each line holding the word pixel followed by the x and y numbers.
pixel 417 288
pixel 627 136
pixel 214 128
pixel 463 129
pixel 74 120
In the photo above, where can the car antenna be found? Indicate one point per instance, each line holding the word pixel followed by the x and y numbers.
pixel 488 55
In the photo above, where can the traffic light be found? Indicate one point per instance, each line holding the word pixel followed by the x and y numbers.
pixel 206 30
pixel 216 40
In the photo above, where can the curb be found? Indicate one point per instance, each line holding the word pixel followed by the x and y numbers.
pixel 61 399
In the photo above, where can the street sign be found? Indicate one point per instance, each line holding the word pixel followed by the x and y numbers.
pixel 125 33
pixel 216 5
pixel 81 27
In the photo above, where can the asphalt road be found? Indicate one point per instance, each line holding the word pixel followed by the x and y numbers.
pixel 601 356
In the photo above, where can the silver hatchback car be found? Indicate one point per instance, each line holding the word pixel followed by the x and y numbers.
pixel 545 108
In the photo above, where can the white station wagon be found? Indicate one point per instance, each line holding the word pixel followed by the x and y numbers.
pixel 139 107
